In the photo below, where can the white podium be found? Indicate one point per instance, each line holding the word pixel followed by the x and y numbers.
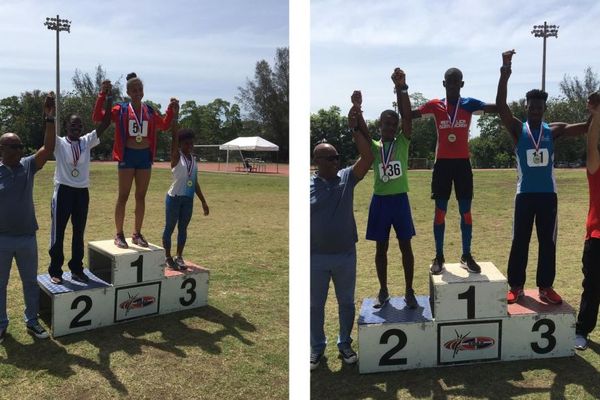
pixel 464 320
pixel 125 284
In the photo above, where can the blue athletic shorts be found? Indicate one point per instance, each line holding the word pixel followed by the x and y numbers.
pixel 136 159
pixel 388 211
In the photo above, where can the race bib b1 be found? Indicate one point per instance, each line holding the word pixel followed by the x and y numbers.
pixel 537 158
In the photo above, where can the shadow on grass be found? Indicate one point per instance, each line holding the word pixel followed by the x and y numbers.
pixel 505 380
pixel 53 356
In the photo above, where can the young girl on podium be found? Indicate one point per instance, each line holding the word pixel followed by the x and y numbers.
pixel 134 147
pixel 179 201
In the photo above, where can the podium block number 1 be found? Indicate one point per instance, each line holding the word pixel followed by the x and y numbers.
pixel 387 359
pixel 139 264
pixel 469 295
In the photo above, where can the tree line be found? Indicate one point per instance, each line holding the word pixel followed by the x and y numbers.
pixel 264 99
pixel 493 148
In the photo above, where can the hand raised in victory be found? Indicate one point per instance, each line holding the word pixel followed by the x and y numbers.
pixel 106 87
pixel 174 105
pixel 507 57
pixel 356 98
pixel 50 105
pixel 399 77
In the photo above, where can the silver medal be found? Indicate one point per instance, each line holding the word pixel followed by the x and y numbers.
pixel 385 178
pixel 75 173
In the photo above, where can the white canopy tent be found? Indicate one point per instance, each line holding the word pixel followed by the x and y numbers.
pixel 248 143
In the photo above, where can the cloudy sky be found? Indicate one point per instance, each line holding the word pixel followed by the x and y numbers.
pixel 193 50
pixel 356 45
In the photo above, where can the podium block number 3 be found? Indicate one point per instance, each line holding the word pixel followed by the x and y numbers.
pixel 387 359
pixel 191 282
pixel 551 327
pixel 77 322
pixel 469 295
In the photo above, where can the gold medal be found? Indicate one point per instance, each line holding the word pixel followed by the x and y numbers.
pixel 75 173
pixel 138 138
pixel 190 183
pixel 452 138
pixel 385 178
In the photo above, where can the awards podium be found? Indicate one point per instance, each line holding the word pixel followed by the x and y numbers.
pixel 124 284
pixel 464 320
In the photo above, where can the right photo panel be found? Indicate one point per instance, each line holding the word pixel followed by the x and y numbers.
pixel 447 142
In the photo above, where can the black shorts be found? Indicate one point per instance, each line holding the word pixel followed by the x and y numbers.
pixel 448 170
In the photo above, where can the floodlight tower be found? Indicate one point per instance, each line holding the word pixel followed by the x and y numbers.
pixel 58 25
pixel 544 31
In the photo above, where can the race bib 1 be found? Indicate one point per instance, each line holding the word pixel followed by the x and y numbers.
pixel 537 158
pixel 134 128
pixel 393 171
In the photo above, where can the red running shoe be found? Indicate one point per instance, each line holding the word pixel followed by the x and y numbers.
pixel 514 294
pixel 550 296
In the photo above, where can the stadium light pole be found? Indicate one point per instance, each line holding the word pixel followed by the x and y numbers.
pixel 545 31
pixel 58 25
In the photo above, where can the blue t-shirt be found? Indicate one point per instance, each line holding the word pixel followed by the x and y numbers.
pixel 332 225
pixel 535 167
pixel 17 214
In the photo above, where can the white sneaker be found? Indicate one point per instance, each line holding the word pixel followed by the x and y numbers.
pixel 580 342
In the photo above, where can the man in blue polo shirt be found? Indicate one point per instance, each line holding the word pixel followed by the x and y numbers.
pixel 333 237
pixel 17 219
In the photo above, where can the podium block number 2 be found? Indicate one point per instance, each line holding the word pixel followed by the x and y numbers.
pixel 77 322
pixel 387 359
pixel 469 295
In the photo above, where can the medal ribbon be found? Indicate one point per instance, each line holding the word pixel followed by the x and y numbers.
pixel 453 118
pixel 139 120
pixel 76 151
pixel 385 157
pixel 189 165
pixel 537 145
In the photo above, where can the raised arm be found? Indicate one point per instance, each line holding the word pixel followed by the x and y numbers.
pixel 403 101
pixel 593 155
pixel 163 123
pixel 174 146
pixel 106 117
pixel 563 129
pixel 99 109
pixel 512 124
pixel 363 164
pixel 46 151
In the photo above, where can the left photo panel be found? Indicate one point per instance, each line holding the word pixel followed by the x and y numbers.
pixel 144 199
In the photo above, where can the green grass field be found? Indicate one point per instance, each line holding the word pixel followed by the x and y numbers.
pixel 236 347
pixel 574 377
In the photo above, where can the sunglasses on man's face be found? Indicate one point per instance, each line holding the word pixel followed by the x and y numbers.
pixel 330 158
pixel 14 146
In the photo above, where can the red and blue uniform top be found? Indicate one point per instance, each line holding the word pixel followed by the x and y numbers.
pixel 452 125
pixel 121 114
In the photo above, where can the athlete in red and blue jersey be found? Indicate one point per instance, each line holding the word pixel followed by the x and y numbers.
pixel 136 124
pixel 452 165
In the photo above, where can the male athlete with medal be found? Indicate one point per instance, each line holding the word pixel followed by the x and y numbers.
pixel 390 205
pixel 452 165
pixel 70 198
pixel 536 187
pixel 179 202
pixel 134 148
